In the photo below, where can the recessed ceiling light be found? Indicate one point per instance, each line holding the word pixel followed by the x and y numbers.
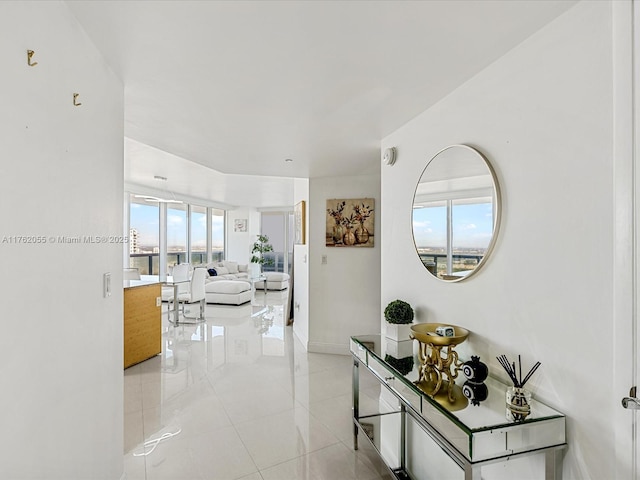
pixel 159 177
pixel 288 159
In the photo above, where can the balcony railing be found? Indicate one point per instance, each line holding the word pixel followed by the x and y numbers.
pixel 436 263
pixel 277 262
pixel 149 263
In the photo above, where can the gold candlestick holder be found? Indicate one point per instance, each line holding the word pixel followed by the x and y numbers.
pixel 439 364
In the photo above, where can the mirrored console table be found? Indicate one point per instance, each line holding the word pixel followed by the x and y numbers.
pixel 419 438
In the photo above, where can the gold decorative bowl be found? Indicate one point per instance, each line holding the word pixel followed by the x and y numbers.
pixel 426 333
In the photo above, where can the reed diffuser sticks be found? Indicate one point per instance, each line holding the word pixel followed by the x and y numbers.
pixel 510 368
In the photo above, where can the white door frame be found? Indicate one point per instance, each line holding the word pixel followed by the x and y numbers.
pixel 626 233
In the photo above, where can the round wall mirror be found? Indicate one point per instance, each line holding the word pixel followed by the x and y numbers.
pixel 456 213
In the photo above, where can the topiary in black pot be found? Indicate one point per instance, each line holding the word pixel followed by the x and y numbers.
pixel 398 312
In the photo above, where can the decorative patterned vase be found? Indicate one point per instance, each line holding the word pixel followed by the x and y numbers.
pixel 349 237
pixel 518 403
pixel 362 234
pixel 338 233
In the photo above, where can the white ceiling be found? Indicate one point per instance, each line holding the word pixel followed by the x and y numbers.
pixel 239 86
pixel 192 182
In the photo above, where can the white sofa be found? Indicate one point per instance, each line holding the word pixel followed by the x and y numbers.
pixel 275 281
pixel 227 270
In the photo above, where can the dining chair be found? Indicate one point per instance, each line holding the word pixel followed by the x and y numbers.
pixel 196 294
pixel 180 275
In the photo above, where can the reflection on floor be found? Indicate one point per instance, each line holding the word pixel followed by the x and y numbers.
pixel 237 397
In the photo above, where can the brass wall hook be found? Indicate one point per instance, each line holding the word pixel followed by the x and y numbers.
pixel 29 55
pixel 75 100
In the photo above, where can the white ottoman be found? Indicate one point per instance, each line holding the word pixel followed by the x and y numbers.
pixel 228 292
pixel 275 281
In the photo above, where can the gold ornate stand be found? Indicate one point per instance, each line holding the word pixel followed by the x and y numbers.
pixel 439 364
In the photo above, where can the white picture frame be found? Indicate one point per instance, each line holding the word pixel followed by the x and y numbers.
pixel 240 225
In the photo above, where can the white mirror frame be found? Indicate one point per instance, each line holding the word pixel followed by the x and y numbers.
pixel 476 189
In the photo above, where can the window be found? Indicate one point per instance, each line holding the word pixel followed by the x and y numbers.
pixel 190 238
pixel 278 226
pixel 458 232
pixel 472 225
pixel 176 234
pixel 198 237
pixel 217 235
pixel 144 235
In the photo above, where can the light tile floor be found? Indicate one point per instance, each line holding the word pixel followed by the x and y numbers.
pixel 238 397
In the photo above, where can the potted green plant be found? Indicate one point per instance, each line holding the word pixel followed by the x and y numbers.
pixel 260 247
pixel 399 316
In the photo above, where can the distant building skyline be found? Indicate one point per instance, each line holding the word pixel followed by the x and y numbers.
pixel 134 246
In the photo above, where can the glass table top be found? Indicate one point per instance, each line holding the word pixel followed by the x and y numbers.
pixel 489 415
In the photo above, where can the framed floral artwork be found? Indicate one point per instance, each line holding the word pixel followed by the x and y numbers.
pixel 350 222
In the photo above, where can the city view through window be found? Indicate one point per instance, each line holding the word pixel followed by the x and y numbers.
pixel 471 231
pixel 144 233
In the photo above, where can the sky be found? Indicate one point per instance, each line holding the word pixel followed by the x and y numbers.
pixel 472 226
pixel 144 218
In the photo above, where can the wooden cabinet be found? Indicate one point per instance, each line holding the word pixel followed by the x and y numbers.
pixel 142 322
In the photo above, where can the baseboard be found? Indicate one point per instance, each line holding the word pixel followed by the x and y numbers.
pixel 320 347
pixel 332 348
pixel 303 340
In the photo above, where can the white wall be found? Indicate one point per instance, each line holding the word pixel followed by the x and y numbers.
pixel 344 294
pixel 542 114
pixel 301 269
pixel 61 175
pixel 238 244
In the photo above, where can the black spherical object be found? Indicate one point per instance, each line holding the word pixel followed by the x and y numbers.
pixel 475 370
pixel 475 392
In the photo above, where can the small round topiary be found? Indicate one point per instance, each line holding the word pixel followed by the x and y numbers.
pixel 398 312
